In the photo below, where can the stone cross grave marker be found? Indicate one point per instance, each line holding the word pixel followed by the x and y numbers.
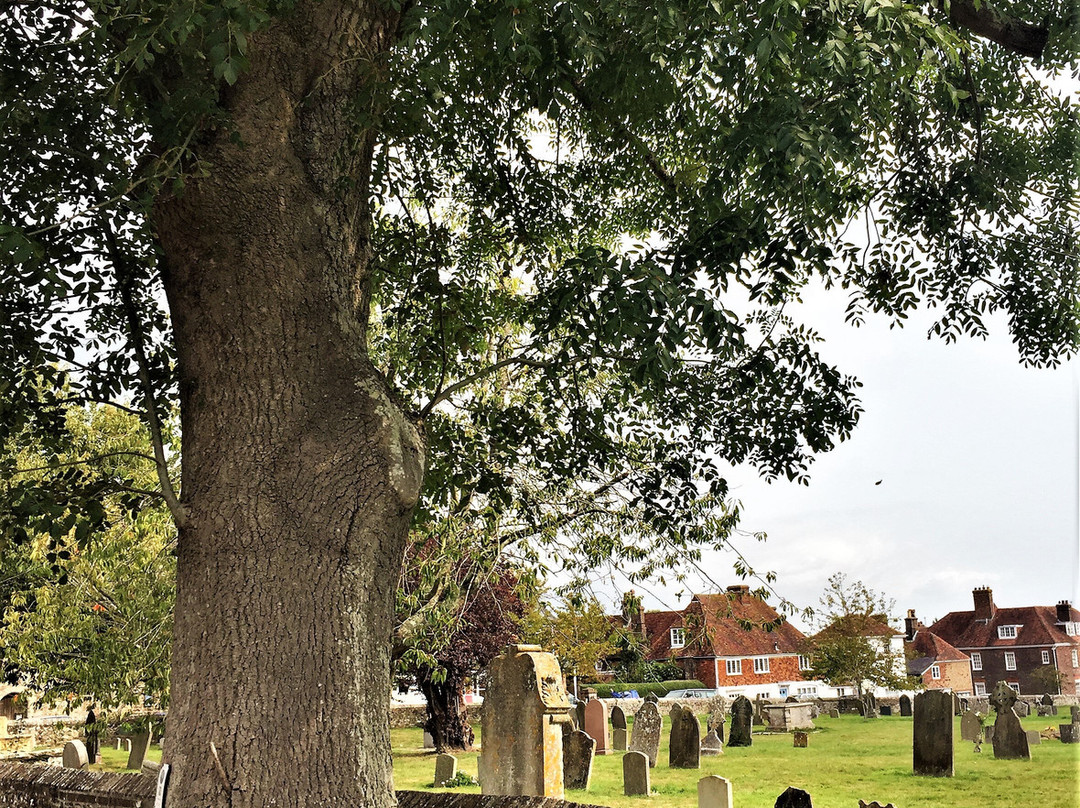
pixel 445 769
pixel 714 792
pixel 684 747
pixel 596 724
pixel 1010 741
pixel 717 716
pixel 794 798
pixel 741 717
pixel 711 745
pixel 646 735
pixel 75 755
pixel 905 705
pixel 932 734
pixel 578 750
pixel 521 725
pixel 635 771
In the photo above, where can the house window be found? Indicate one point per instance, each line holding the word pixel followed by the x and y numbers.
pixel 1072 629
pixel 980 689
pixel 761 664
pixel 1046 657
pixel 976 661
pixel 804 663
pixel 1007 632
pixel 935 672
pixel 734 667
pixel 1015 686
pixel 678 637
pixel 1010 661
pixel 1075 665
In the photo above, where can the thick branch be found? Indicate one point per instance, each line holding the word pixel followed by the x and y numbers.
pixel 989 23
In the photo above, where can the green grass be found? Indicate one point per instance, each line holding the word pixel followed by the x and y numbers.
pixel 848 759
pixel 115 760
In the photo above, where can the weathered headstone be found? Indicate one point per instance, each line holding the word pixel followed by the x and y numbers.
pixel 741 712
pixel 578 714
pixel 905 705
pixel 1074 713
pixel 646 735
pixel 711 745
pixel 834 713
pixel 429 740
pixel 970 726
pixel 714 792
pixel 885 709
pixel 445 769
pixel 652 697
pixel 1010 741
pixel 794 798
pixel 1022 709
pixel 800 740
pixel 717 716
pixel 578 750
pixel 790 700
pixel 635 772
pixel 684 746
pixel 1048 702
pixel 874 804
pixel 988 733
pixel 1069 733
pixel 932 734
pixel 521 726
pixel 619 740
pixel 870 708
pixel 140 742
pixel 1033 736
pixel 618 717
pixel 596 724
pixel 75 755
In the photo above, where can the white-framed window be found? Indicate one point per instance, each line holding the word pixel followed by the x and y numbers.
pixel 1007 632
pixel 1074 662
pixel 761 664
pixel 734 667
pixel 1010 661
pixel 935 672
pixel 980 689
pixel 976 661
pixel 1046 657
pixel 1015 687
pixel 1072 629
pixel 806 691
pixel 804 663
pixel 678 637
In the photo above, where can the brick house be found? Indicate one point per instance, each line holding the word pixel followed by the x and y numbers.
pixel 1012 644
pixel 733 641
pixel 938 664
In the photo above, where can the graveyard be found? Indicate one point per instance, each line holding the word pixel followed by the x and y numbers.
pixel 847 759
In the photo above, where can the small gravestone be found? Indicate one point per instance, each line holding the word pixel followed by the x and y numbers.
pixel 790 700
pixel 1010 741
pixel 714 792
pixel 874 804
pixel 988 733
pixel 684 747
pixel 1074 713
pixel 635 773
pixel 740 733
pixel 646 735
pixel 1022 709
pixel 870 707
pixel 1069 733
pixel 596 724
pixel 801 740
pixel 140 742
pixel 932 734
pixel 970 726
pixel 429 740
pixel 578 714
pixel 885 709
pixel 1048 703
pixel 619 742
pixel 794 798
pixel 717 716
pixel 834 713
pixel 75 755
pixel 445 769
pixel 578 750
pixel 905 705
pixel 618 717
pixel 711 745
pixel 1033 736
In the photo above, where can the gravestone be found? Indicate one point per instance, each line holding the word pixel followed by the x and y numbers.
pixel 1009 739
pixel 635 772
pixel 646 735
pixel 717 716
pixel 711 745
pixel 75 755
pixel 714 792
pixel 834 713
pixel 684 743
pixel 618 717
pixel 885 709
pixel 140 742
pixel 652 697
pixel 932 734
pixel 1033 736
pixel 790 700
pixel 1074 712
pixel 619 742
pixel 800 740
pixel 1048 702
pixel 93 734
pixel 578 750
pixel 596 724
pixel 788 716
pixel 793 798
pixel 988 734
pixel 874 804
pixel 579 716
pixel 1069 733
pixel 521 725
pixel 445 769
pixel 1022 709
pixel 741 712
pixel 870 708
pixel 970 726
pixel 429 740
pixel 905 705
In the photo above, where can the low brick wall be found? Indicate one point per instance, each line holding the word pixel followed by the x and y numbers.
pixel 424 799
pixel 25 785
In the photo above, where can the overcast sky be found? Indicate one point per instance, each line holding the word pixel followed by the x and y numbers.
pixel 978 462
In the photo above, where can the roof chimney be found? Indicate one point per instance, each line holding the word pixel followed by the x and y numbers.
pixel 984 603
pixel 909 626
pixel 1064 611
pixel 738 589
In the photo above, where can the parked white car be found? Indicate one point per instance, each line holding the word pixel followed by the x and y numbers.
pixel 693 693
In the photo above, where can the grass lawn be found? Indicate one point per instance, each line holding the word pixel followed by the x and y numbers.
pixel 848 759
pixel 115 760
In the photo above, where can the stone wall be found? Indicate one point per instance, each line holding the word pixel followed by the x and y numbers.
pixel 424 799
pixel 413 715
pixel 41 786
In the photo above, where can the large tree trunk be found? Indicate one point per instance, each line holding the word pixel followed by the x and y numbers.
pixel 447 720
pixel 299 470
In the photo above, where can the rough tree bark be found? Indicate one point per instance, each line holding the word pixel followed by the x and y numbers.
pixel 447 720
pixel 300 471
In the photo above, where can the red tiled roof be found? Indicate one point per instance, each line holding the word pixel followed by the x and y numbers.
pixel 929 644
pixel 847 625
pixel 1038 626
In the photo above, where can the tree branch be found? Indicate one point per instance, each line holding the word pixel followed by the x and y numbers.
pixel 985 21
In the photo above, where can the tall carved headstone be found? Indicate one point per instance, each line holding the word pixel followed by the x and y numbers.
pixel 905 705
pixel 596 724
pixel 646 735
pixel 1010 740
pixel 635 770
pixel 578 750
pixel 714 792
pixel 742 712
pixel 684 748
pixel 932 734
pixel 524 710
pixel 717 716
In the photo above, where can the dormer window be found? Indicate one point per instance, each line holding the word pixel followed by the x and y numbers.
pixel 678 637
pixel 1007 632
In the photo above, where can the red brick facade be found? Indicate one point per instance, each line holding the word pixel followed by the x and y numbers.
pixel 952 675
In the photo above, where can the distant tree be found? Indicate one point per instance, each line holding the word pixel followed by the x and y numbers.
pixel 577 631
pixel 1048 679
